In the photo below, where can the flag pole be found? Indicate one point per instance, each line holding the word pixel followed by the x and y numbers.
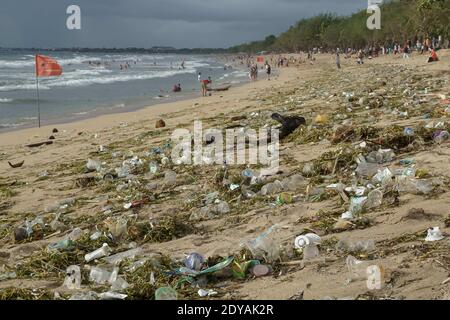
pixel 38 105
pixel 37 93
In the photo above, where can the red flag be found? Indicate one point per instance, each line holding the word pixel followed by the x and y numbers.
pixel 47 67
pixel 260 59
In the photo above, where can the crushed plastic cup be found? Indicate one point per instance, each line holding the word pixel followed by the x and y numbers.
pixel 93 165
pixel 99 253
pixel 211 197
pixel 371 271
pixel 308 244
pixel 248 173
pixel 347 215
pixel 223 207
pixel 153 167
pixel 357 205
pixel 194 261
pixel 166 293
pixel 73 278
pixel 206 293
pixel 366 169
pixel 408 132
pixel 374 199
pixel 91 295
pixel 407 172
pixel 383 177
pixel 265 246
pixel 96 235
pixel 127 206
pixel 357 269
pixel 117 228
pixel 170 178
pixel 117 282
pixel 99 275
pixel 294 182
pixel 406 162
pixel 75 234
pixel 414 186
pixel 434 234
pixel 356 246
pixel 271 188
pixel 441 136
pixel 381 156
pixel 65 244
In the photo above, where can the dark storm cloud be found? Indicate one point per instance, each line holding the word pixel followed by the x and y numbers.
pixel 146 23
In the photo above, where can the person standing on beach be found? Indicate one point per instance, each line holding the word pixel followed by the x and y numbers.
pixel 202 84
pixel 360 57
pixel 268 70
pixel 338 59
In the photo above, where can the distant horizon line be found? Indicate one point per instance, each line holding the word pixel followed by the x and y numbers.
pixel 155 48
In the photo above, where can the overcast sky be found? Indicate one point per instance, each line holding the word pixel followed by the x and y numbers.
pixel 147 23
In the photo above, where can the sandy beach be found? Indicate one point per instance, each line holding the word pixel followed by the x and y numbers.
pixel 355 96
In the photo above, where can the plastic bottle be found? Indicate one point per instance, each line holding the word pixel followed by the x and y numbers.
pixel 306 240
pixel 112 296
pixel 118 257
pixel 99 253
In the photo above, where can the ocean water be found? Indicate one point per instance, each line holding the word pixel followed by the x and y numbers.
pixel 88 89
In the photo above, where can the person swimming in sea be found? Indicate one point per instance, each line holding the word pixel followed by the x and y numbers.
pixel 176 88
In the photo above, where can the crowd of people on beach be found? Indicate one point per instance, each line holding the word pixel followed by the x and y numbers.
pixel 369 52
pixel 254 63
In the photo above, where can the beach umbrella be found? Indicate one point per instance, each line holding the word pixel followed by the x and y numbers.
pixel 45 67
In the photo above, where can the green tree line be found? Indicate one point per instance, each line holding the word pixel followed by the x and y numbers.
pixel 401 20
